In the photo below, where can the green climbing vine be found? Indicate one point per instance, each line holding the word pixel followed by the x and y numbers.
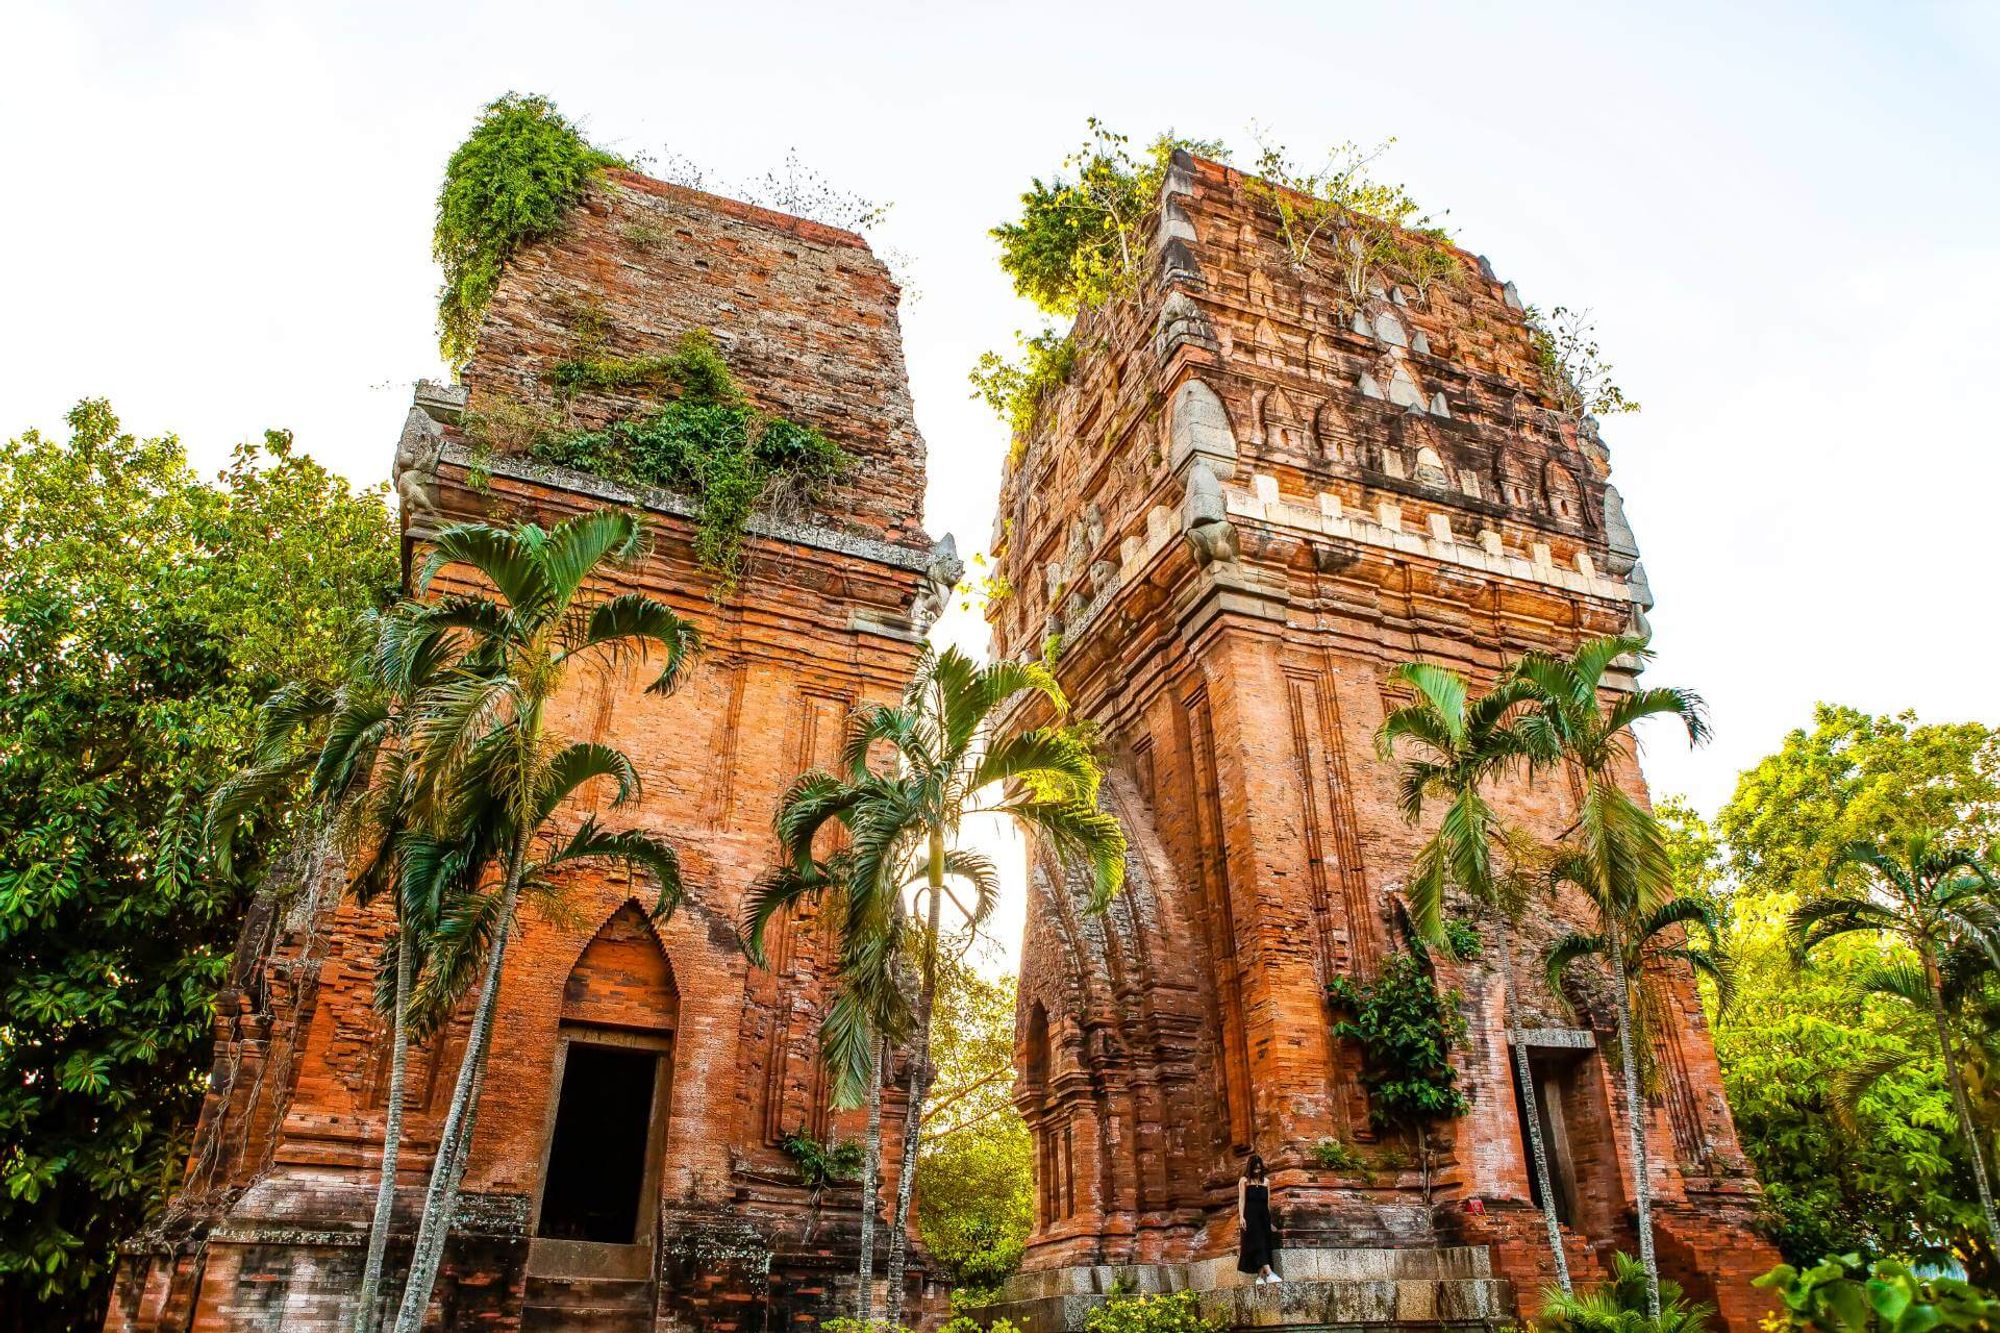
pixel 822 1164
pixel 1406 1030
pixel 706 442
pixel 1080 241
pixel 513 181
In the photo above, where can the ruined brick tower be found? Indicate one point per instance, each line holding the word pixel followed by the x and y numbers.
pixel 1254 498
pixel 626 1172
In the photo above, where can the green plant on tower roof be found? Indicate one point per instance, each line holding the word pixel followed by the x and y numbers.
pixel 512 182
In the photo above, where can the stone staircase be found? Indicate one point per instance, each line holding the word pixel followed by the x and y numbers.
pixel 587 1305
pixel 1444 1290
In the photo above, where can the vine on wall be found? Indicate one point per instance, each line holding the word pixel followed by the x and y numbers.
pixel 706 442
pixel 513 181
pixel 1407 1031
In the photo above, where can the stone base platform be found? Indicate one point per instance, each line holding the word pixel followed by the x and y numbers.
pixel 1433 1290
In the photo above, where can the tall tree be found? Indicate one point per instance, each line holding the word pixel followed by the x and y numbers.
pixel 1938 901
pixel 144 612
pixel 869 1009
pixel 950 759
pixel 1617 851
pixel 489 766
pixel 353 745
pixel 1453 747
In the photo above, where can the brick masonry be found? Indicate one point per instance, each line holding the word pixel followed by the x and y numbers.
pixel 268 1228
pixel 1252 500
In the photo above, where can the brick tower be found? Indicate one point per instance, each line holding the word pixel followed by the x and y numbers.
pixel 668 1203
pixel 1251 501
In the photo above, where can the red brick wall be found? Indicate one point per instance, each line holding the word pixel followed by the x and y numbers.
pixel 1235 648
pixel 279 1191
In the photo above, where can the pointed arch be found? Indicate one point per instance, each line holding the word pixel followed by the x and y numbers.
pixel 623 977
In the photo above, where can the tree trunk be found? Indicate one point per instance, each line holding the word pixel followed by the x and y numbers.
pixel 1963 1106
pixel 367 1318
pixel 871 1186
pixel 1635 1113
pixel 1537 1151
pixel 920 1059
pixel 441 1196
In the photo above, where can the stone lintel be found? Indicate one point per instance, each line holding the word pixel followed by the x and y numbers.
pixel 661 501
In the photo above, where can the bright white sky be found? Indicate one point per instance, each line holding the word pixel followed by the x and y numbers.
pixel 1783 216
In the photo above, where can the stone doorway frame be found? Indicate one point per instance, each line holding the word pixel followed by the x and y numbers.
pixel 548 1257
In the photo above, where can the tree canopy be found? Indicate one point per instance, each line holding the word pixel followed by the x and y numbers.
pixel 143 614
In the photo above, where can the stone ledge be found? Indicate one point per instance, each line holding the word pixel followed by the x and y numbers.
pixel 912 559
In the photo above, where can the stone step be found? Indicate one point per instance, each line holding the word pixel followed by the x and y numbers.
pixel 1416 1304
pixel 1311 1264
pixel 584 1319
pixel 1426 1290
pixel 589 1293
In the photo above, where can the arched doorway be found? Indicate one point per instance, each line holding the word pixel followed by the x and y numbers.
pixel 596 1210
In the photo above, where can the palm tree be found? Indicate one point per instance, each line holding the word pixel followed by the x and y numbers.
pixel 1659 938
pixel 1943 904
pixel 951 761
pixel 1619 853
pixel 488 770
pixel 1459 744
pixel 870 1006
pixel 349 747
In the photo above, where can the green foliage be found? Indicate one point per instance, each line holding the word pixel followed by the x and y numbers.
pixel 143 614
pixel 512 182
pixel 695 370
pixel 1462 939
pixel 1371 232
pixel 975 1182
pixel 1856 777
pixel 1572 368
pixel 1081 237
pixel 1333 1155
pixel 707 442
pixel 967 1324
pixel 1840 1295
pixel 1017 389
pixel 1877 1168
pixel 1407 1031
pixel 1175 1312
pixel 822 1164
pixel 847 1324
pixel 1618 1305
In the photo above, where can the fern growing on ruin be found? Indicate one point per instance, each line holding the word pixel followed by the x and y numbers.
pixel 512 182
pixel 706 442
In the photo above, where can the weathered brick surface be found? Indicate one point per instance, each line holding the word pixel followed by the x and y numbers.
pixel 1253 499
pixel 268 1229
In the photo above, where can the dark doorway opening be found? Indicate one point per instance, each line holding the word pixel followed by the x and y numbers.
pixel 1549 1081
pixel 597 1158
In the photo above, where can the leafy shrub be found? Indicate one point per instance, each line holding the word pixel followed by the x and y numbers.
pixel 1840 1295
pixel 512 182
pixel 1462 939
pixel 707 443
pixel 1619 1306
pixel 1017 389
pixel 822 1164
pixel 848 1324
pixel 1333 1155
pixel 1177 1312
pixel 965 1323
pixel 1406 1031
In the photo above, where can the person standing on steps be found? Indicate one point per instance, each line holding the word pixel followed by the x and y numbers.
pixel 1256 1242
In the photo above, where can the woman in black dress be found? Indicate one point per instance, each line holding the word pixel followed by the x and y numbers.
pixel 1257 1243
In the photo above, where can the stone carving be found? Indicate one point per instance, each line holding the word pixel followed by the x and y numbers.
pixel 1420 344
pixel 941 576
pixel 1618 535
pixel 415 470
pixel 1180 324
pixel 1200 431
pixel 1205 518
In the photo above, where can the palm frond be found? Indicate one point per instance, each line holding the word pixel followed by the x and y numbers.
pixel 1566 951
pixel 1079 832
pixel 625 627
pixel 504 556
pixel 577 547
pixel 639 852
